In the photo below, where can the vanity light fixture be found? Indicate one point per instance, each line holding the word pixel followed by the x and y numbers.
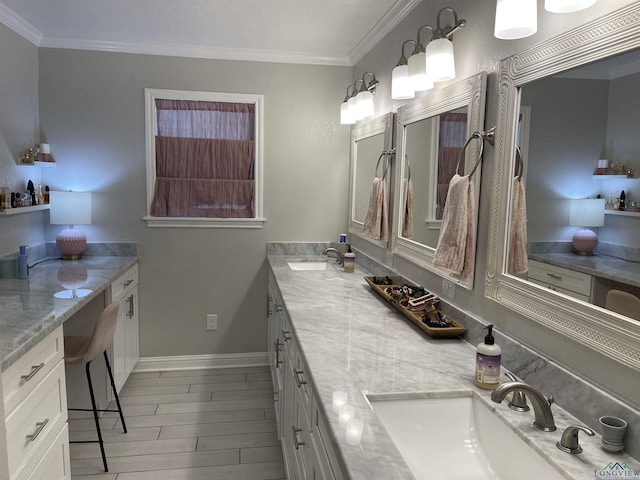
pixel 586 212
pixel 358 104
pixel 439 52
pixel 401 88
pixel 418 76
pixel 518 18
pixel 567 6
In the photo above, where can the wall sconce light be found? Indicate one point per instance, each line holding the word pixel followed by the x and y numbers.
pixel 441 64
pixel 359 103
pixel 587 212
pixel 420 80
pixel 70 208
pixel 401 88
pixel 519 18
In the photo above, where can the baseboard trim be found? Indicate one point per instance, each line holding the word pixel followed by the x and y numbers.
pixel 201 362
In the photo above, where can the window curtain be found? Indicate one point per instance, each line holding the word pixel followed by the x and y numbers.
pixel 453 133
pixel 204 159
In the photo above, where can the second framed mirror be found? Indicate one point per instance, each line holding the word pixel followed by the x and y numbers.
pixel 430 149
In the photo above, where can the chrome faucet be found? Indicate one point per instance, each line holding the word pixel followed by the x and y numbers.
pixel 338 255
pixel 541 404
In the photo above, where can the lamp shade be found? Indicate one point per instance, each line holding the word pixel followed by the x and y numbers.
pixel 345 117
pixel 516 19
pixel 364 102
pixel 588 212
pixel 400 84
pixel 70 208
pixel 440 62
pixel 567 6
pixel 420 81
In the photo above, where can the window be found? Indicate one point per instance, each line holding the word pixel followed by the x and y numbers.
pixel 204 159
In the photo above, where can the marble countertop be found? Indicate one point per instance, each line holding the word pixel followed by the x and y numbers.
pixel 353 341
pixel 602 266
pixel 29 311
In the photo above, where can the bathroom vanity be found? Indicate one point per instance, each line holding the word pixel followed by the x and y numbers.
pixel 334 342
pixel 33 422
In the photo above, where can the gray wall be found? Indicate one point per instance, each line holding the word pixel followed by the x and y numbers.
pixel 476 50
pixel 18 130
pixel 92 114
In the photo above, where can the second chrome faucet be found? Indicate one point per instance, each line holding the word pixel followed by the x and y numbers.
pixel 541 404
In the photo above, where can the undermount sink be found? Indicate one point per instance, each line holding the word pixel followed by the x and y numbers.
pixel 310 266
pixel 458 438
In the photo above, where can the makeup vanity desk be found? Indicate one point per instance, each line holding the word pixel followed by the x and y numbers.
pixel 600 272
pixel 33 416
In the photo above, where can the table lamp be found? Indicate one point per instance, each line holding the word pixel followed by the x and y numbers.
pixel 70 208
pixel 586 212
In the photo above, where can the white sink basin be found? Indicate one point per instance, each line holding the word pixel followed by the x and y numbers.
pixel 458 438
pixel 309 266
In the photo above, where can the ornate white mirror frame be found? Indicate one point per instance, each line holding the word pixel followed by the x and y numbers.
pixel 610 334
pixel 469 93
pixel 363 130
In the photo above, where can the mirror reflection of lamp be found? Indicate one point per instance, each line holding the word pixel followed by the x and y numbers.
pixel 586 212
pixel 70 208
pixel 72 277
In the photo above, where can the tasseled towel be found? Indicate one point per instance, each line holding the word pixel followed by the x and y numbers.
pixel 518 261
pixel 407 211
pixel 376 222
pixel 456 244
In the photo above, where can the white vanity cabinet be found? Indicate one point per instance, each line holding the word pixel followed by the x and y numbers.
pixel 306 450
pixel 570 282
pixel 125 349
pixel 34 440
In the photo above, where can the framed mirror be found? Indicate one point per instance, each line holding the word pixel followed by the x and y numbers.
pixel 369 139
pixel 431 132
pixel 583 108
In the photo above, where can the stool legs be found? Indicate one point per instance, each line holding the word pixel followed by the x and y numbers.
pixel 95 417
pixel 115 392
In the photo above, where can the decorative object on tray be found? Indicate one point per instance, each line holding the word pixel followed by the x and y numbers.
pixel 418 305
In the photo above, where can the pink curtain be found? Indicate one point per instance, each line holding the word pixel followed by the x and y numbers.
pixel 453 132
pixel 204 159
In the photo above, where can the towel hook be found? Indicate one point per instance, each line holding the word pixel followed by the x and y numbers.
pixel 385 153
pixel 406 162
pixel 519 163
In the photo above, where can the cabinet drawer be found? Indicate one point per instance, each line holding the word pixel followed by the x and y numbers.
pixel 124 283
pixel 563 278
pixel 53 465
pixel 21 378
pixel 37 420
pixel 569 293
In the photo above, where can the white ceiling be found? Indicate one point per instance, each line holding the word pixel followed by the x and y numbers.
pixel 336 32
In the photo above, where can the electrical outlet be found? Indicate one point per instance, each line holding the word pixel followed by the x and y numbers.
pixel 448 289
pixel 212 321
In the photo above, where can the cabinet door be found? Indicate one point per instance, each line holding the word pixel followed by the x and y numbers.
pixel 288 422
pixel 118 349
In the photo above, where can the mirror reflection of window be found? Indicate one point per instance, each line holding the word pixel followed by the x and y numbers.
pixel 367 153
pixel 453 135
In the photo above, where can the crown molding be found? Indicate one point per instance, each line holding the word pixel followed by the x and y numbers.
pixel 394 15
pixel 195 51
pixel 16 23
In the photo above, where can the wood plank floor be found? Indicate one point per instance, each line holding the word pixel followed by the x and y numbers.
pixel 186 425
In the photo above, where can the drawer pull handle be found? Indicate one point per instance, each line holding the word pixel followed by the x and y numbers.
pixel 277 346
pixel 557 277
pixel 34 369
pixel 298 376
pixel 286 335
pixel 39 427
pixel 130 302
pixel 296 442
pixel 128 282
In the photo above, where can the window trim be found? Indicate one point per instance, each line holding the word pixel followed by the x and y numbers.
pixel 150 94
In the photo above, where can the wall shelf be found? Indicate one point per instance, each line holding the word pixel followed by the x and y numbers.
pixel 19 210
pixel 622 214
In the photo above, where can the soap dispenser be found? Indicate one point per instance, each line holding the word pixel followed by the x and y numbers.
pixel 488 362
pixel 349 260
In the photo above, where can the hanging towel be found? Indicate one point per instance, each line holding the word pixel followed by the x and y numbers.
pixel 376 222
pixel 407 211
pixel 518 261
pixel 456 244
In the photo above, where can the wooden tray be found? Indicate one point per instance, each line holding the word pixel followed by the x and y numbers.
pixel 416 316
